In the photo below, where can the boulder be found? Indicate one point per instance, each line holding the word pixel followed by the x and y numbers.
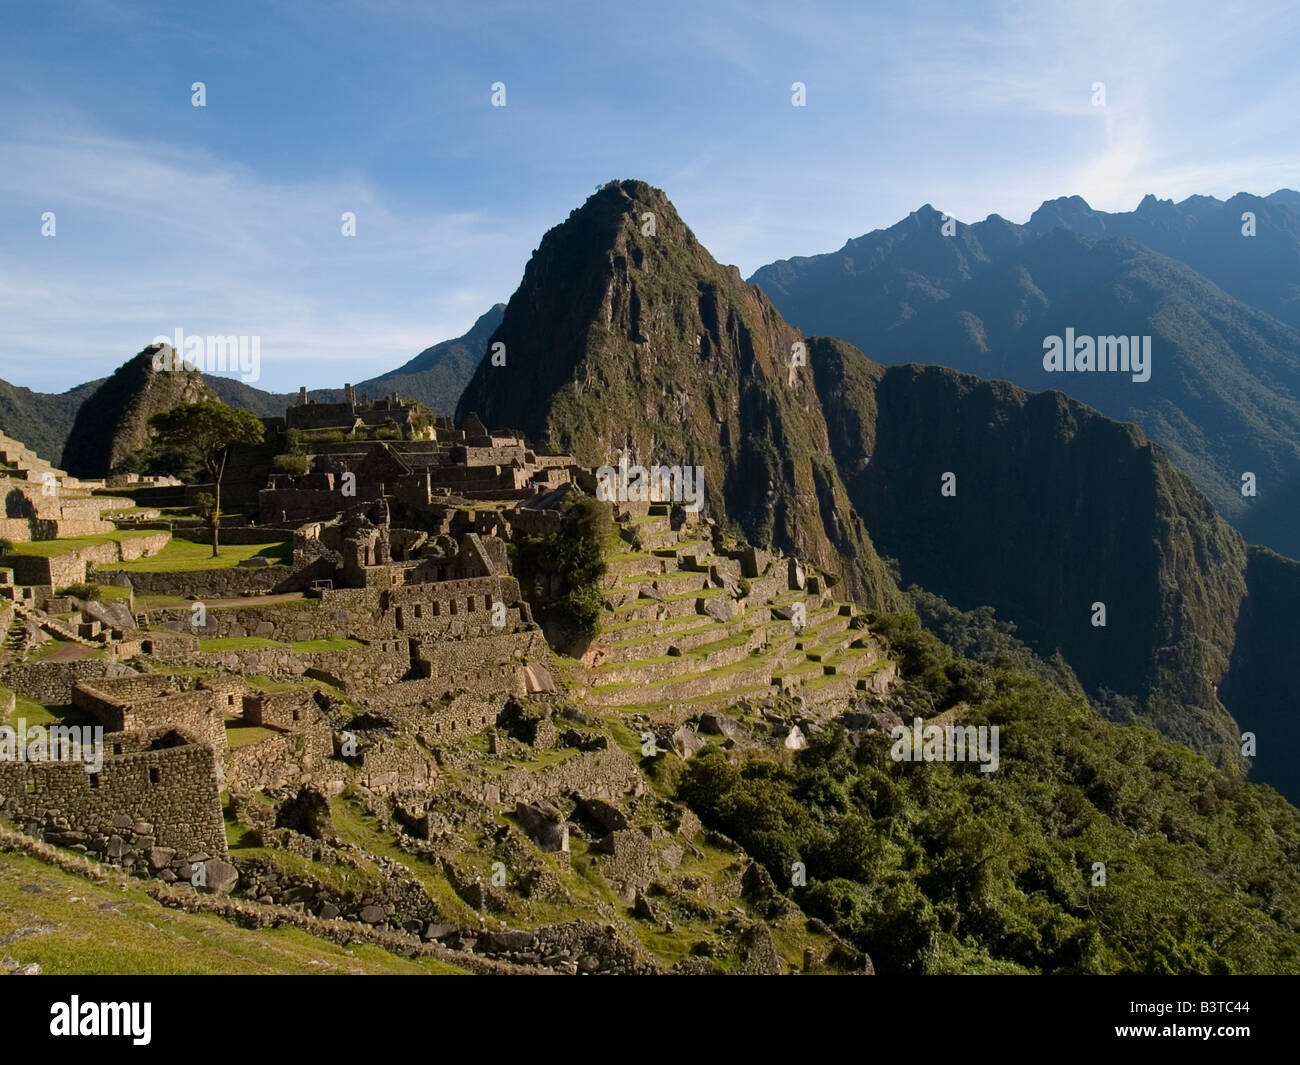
pixel 686 741
pixel 720 608
pixel 605 814
pixel 719 724
pixel 221 877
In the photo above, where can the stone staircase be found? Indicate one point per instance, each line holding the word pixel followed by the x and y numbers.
pixel 60 630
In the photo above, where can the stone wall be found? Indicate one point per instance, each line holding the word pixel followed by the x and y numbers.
pixel 440 609
pixel 282 760
pixel 148 796
pixel 379 663
pixel 51 682
pixel 430 718
pixel 607 774
pixel 70 568
pixel 133 705
pixel 227 583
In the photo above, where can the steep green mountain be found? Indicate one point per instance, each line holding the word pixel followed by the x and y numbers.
pixel 1260 688
pixel 41 420
pixel 1224 391
pixel 112 424
pixel 1055 508
pixel 626 335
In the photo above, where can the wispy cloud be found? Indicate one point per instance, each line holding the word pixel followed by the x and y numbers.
pixel 152 236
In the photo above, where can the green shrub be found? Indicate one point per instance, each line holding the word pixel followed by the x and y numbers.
pixel 292 462
pixel 79 591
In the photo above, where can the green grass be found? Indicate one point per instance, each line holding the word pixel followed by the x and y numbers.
pixel 46 649
pixel 94 929
pixel 51 548
pixel 107 593
pixel 33 712
pixel 356 825
pixel 183 555
pixel 239 734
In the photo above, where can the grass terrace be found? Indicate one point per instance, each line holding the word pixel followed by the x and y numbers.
pixel 51 548
pixel 181 555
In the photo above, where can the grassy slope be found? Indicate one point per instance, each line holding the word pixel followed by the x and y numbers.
pixel 87 928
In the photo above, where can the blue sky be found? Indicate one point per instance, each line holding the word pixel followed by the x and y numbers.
pixel 226 219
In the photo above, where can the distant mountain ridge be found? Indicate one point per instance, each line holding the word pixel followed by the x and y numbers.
pixel 45 421
pixel 1224 396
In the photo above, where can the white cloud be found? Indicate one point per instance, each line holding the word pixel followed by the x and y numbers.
pixel 152 236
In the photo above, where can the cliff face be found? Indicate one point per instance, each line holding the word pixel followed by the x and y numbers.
pixel 1260 688
pixel 626 335
pixel 112 423
pixel 1056 508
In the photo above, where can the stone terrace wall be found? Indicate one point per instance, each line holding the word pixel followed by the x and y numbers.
pixel 70 568
pixel 463 716
pixel 605 774
pixel 173 791
pixel 382 662
pixel 303 619
pixel 364 613
pixel 473 654
pixel 282 760
pixel 222 583
pixel 51 682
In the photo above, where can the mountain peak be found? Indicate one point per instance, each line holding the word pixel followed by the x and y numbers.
pixel 627 337
pixel 1070 212
pixel 112 425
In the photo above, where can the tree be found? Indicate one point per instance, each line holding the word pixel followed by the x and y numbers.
pixel 560 573
pixel 204 432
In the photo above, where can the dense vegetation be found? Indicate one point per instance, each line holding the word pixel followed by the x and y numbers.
pixel 560 573
pixel 939 868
